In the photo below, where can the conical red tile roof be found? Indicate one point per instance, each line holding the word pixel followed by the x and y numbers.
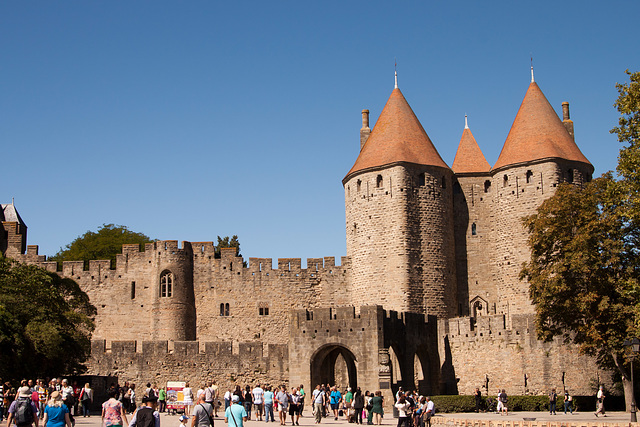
pixel 469 157
pixel 537 133
pixel 397 136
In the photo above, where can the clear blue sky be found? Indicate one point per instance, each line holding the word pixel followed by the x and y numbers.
pixel 185 120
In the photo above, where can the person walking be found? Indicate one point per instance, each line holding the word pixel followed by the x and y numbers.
pixel 568 400
pixel 376 407
pixel 202 412
pixel 235 415
pixel 113 413
pixel 268 405
pixel 318 399
pixel 358 405
pixel 553 398
pixel 56 413
pixel 86 399
pixel 402 405
pixel 600 402
pixel 22 411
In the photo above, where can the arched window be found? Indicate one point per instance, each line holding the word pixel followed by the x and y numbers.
pixel 359 184
pixel 487 186
pixel 379 181
pixel 474 230
pixel 166 284
pixel 505 181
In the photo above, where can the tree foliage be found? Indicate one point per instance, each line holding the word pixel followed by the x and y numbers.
pixel 583 272
pixel 106 243
pixel 226 242
pixel 45 322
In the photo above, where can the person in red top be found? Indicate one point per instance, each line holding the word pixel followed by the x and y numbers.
pixel 76 397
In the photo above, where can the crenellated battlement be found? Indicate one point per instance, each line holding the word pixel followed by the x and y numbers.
pixel 255 349
pixel 482 328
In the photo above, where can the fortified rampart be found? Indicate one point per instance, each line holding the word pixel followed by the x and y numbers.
pixel 422 239
pixel 485 352
pixel 230 363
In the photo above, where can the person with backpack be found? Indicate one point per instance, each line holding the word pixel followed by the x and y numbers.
pixel 146 415
pixel 22 411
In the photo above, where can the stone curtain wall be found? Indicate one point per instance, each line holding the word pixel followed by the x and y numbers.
pixel 506 354
pixel 130 306
pixel 228 363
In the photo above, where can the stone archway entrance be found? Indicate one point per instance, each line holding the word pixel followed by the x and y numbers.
pixel 334 364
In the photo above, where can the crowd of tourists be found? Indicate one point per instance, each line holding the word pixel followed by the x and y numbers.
pixel 54 402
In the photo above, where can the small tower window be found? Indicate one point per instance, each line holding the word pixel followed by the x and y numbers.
pixel 421 180
pixel 444 182
pixel 133 290
pixel 359 184
pixel 224 309
pixel 529 175
pixel 487 186
pixel 505 181
pixel 474 230
pixel 570 176
pixel 379 181
pixel 166 284
pixel 263 311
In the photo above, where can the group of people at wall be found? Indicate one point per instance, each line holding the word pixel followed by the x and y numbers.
pixel 413 410
pixel 51 402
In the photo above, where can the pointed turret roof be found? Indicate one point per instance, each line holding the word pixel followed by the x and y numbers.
pixel 9 213
pixel 537 133
pixel 469 157
pixel 397 137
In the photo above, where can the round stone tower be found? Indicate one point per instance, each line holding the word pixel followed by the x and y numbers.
pixel 538 154
pixel 173 307
pixel 399 217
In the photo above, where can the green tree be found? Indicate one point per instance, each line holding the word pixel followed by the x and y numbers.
pixel 226 242
pixel 583 272
pixel 45 323
pixel 106 243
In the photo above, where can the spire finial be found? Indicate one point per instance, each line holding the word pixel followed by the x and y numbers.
pixel 466 124
pixel 532 80
pixel 396 72
pixel 13 201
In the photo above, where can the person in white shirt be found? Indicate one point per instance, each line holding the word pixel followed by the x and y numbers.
pixel 258 401
pixel 428 413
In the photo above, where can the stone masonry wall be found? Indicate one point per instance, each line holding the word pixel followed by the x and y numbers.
pixel 228 363
pixel 518 192
pixel 399 226
pixel 505 355
pixel 257 299
pixel 473 216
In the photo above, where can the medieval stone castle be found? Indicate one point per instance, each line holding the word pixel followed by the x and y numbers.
pixel 428 296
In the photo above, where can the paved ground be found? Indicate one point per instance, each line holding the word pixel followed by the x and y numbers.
pixel 308 420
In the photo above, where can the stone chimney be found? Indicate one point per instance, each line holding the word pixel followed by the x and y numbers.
pixel 566 119
pixel 365 131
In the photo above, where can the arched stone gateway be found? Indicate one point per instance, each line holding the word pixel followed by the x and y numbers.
pixel 372 349
pixel 334 364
